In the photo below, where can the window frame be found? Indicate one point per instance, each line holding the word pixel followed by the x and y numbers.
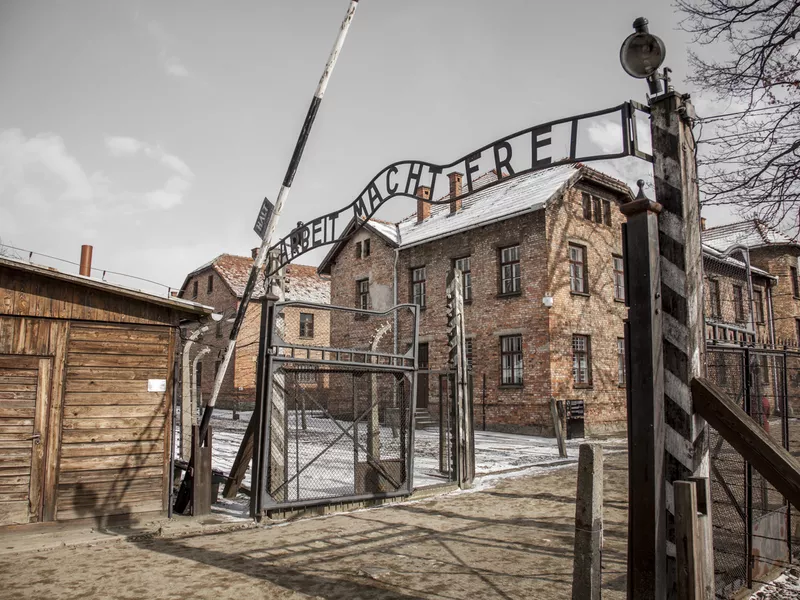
pixel 361 295
pixel 419 287
pixel 468 350
pixel 303 332
pixel 586 200
pixel 714 298
pixel 366 248
pixel 606 211
pixel 466 282
pixel 795 282
pixel 510 263
pixel 738 304
pixel 797 330
pixel 758 307
pixel 358 251
pixel 587 353
pixel 597 210
pixel 195 287
pixel 619 277
pixel 210 284
pixel 585 269
pixel 621 367
pixel 513 352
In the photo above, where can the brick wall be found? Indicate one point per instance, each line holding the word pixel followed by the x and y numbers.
pixel 595 314
pixel 785 306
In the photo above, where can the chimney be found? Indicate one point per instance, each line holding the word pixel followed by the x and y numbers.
pixel 254 252
pixel 86 261
pixel 455 191
pixel 702 223
pixel 423 208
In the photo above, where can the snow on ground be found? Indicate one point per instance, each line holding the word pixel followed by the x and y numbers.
pixel 785 587
pixel 325 456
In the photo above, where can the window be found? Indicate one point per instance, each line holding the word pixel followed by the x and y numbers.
pixel 795 285
pixel 621 362
pixel 598 215
pixel 587 206
pixel 577 269
pixel 758 301
pixel 218 330
pixel 511 359
pixel 581 360
pixel 463 264
pixel 210 284
pixel 194 289
pixel 469 354
pixel 713 298
pixel 797 328
pixel 366 248
pixel 619 278
pixel 738 303
pixel 509 270
pixel 306 375
pixel 306 325
pixel 358 249
pixel 418 286
pixel 362 291
pixel 607 212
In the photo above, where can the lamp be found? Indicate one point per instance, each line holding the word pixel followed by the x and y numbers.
pixel 642 53
pixel 547 300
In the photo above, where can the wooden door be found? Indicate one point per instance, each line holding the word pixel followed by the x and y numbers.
pixel 24 400
pixel 422 378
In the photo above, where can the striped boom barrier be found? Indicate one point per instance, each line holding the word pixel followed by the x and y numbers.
pixel 183 495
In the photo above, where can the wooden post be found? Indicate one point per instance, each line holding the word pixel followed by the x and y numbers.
pixel 685 432
pixel 201 480
pixel 687 542
pixel 587 573
pixel 645 394
pixel 562 446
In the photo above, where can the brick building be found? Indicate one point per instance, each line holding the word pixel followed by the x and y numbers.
pixel 774 252
pixel 550 237
pixel 220 283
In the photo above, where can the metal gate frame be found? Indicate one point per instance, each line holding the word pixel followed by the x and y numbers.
pixel 280 352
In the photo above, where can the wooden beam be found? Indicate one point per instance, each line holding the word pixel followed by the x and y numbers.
pixel 747 437
pixel 242 461
pixel 690 583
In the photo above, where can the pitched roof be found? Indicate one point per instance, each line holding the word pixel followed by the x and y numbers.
pixel 714 254
pixel 494 201
pixel 113 288
pixel 303 283
pixel 752 233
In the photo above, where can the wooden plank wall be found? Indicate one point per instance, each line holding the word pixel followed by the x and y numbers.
pixel 114 444
pixel 41 337
pixel 32 295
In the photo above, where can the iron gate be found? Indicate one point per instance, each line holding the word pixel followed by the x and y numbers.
pixel 341 400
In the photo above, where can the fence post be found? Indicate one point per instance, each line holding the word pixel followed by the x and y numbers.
pixel 675 178
pixel 748 481
pixel 645 396
pixel 687 542
pixel 587 576
pixel 562 447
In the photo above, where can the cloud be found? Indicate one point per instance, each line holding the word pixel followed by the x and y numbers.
pixel 39 173
pixel 123 146
pixel 171 64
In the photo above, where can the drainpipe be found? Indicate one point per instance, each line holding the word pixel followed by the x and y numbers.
pixel 186 394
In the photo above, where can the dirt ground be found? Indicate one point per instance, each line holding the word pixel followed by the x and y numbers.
pixel 512 538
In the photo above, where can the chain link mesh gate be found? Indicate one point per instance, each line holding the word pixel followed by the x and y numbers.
pixel 341 404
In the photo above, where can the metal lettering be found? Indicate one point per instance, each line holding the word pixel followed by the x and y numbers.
pixel 506 162
pixel 412 176
pixel 470 169
pixel 536 162
pixel 392 189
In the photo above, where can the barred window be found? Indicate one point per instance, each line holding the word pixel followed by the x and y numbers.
pixel 758 300
pixel 577 269
pixel 306 375
pixel 418 286
pixel 306 325
pixel 464 265
pixel 581 360
pixel 738 303
pixel 621 362
pixel 509 270
pixel 619 278
pixel 511 359
pixel 362 290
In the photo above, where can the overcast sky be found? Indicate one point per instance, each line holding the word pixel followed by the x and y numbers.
pixel 152 130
